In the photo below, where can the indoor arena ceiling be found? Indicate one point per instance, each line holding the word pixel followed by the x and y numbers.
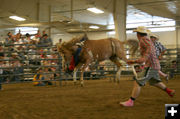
pixel 72 14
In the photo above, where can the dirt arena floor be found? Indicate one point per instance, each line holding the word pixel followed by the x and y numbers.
pixel 99 99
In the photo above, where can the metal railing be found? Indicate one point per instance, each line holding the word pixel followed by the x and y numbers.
pixel 25 71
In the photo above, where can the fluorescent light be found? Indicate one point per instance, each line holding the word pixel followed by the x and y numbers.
pixel 94 27
pixel 95 10
pixel 17 18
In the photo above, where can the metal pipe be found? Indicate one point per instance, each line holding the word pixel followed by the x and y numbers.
pixel 154 2
pixel 71 9
pixel 49 20
pixel 75 10
pixel 38 9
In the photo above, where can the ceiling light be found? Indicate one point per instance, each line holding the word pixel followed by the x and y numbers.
pixel 95 10
pixel 94 27
pixel 17 18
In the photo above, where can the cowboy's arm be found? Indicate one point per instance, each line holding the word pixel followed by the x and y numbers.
pixel 162 53
pixel 162 50
pixel 139 61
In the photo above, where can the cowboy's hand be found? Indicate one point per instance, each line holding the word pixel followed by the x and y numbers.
pixel 160 57
pixel 131 62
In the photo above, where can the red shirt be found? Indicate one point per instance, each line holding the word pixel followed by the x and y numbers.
pixel 148 53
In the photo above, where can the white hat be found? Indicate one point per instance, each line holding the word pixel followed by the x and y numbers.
pixel 154 35
pixel 141 29
pixel 80 44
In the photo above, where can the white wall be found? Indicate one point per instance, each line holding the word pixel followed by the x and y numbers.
pixel 96 35
pixel 167 38
pixel 66 36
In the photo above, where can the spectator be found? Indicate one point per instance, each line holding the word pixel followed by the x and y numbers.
pixel 21 53
pixel 28 38
pixel 60 41
pixel 39 77
pixel 37 37
pixel 54 56
pixel 18 41
pixel 9 40
pixel 101 68
pixel 173 68
pixel 7 71
pixel 33 57
pixel 43 32
pixel 17 68
pixel 54 63
pixel 23 40
pixel 18 35
pixel 1 48
pixel 1 70
pixel 45 41
pixel 48 75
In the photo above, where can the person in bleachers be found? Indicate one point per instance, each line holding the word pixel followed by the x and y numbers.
pixel 60 41
pixel 173 69
pixel 49 76
pixel 45 41
pixel 43 32
pixel 1 47
pixel 18 41
pixel 38 34
pixel 9 40
pixel 28 38
pixel 37 37
pixel 17 67
pixel 6 71
pixel 33 57
pixel 21 54
pixel 54 63
pixel 1 70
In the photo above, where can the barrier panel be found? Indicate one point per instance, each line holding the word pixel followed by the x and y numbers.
pixel 21 62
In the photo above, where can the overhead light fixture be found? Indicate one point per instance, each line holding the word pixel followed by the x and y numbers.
pixel 94 27
pixel 17 18
pixel 95 10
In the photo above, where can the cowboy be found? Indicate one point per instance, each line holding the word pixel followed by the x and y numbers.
pixel 160 50
pixel 150 72
pixel 45 41
pixel 75 58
